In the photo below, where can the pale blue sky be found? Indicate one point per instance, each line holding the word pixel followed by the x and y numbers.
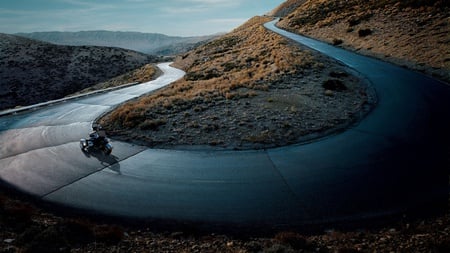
pixel 171 17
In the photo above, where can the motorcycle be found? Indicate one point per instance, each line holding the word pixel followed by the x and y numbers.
pixel 96 141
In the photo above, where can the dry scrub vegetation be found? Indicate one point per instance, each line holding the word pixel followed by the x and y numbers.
pixel 250 88
pixel 413 33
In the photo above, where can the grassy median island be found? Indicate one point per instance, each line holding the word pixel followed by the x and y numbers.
pixel 248 89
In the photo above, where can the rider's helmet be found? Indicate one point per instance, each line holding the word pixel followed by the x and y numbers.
pixel 96 127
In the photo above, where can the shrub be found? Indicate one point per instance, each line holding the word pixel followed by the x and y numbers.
pixel 78 231
pixel 420 3
pixel 193 76
pixel 356 20
pixel 225 42
pixel 18 212
pixel 230 95
pixel 364 32
pixel 442 246
pixel 262 137
pixel 334 85
pixel 353 21
pixel 209 74
pixel 152 124
pixel 212 73
pixel 338 74
pixel 337 42
pixel 228 66
pixel 251 59
pixel 198 108
pixel 109 234
pixel 292 239
pixel 133 119
pixel 48 240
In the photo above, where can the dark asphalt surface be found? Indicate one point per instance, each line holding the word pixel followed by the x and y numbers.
pixel 394 160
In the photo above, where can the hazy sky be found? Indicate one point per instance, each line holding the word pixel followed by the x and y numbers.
pixel 171 17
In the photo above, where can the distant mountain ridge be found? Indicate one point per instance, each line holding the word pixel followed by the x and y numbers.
pixel 149 43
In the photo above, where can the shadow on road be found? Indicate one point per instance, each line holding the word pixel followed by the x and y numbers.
pixel 109 161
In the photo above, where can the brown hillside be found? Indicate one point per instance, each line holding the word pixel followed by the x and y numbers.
pixel 33 71
pixel 286 8
pixel 248 89
pixel 413 33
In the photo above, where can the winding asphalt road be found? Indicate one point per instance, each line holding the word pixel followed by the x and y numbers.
pixel 394 160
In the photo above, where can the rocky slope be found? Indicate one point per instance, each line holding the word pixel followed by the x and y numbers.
pixel 248 89
pixel 33 71
pixel 412 33
pixel 149 43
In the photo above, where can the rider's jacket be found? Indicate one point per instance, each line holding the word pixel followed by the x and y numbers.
pixel 94 135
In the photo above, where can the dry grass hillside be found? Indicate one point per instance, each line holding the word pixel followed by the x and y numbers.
pixel 286 8
pixel 413 33
pixel 250 88
pixel 33 71
pixel 248 58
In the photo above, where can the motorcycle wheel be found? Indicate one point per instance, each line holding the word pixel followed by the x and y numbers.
pixel 82 147
pixel 108 149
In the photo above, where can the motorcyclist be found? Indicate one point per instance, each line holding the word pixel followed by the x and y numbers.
pixel 98 135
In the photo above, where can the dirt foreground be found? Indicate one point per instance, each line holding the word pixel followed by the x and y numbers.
pixel 26 227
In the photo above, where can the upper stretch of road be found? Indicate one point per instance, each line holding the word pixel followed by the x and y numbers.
pixel 394 160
